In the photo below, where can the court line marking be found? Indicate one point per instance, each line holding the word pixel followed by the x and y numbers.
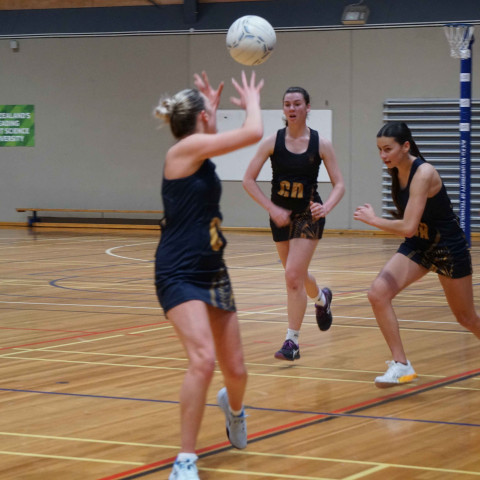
pixel 377 465
pixel 261 474
pixel 62 457
pixel 314 420
pixel 110 252
pixel 81 336
pixel 86 440
pixel 313 416
pixel 366 472
pixel 56 349
pixel 240 313
pixel 352 462
pixel 15 356
pixel 82 305
pixel 12 356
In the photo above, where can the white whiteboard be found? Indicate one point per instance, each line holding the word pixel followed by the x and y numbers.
pixel 232 166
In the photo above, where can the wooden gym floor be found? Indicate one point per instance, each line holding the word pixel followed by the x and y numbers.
pixel 90 369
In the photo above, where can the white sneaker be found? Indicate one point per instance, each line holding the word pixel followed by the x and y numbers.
pixel 186 470
pixel 396 374
pixel 236 426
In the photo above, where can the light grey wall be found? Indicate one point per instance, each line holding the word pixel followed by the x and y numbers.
pixel 97 145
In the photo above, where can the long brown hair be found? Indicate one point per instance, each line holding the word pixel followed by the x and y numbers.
pixel 400 132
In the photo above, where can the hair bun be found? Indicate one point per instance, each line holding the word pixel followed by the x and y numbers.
pixel 164 108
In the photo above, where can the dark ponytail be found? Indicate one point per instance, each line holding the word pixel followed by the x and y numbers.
pixel 400 132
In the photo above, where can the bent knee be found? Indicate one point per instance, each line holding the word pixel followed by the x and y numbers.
pixel 235 370
pixel 377 294
pixel 293 280
pixel 469 321
pixel 203 365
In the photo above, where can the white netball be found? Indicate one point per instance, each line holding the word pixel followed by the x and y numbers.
pixel 251 40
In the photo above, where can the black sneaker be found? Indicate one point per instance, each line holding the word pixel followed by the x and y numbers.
pixel 289 351
pixel 324 314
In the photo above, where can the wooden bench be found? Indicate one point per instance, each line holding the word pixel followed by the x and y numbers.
pixel 35 220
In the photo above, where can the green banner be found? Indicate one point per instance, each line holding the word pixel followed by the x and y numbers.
pixel 17 126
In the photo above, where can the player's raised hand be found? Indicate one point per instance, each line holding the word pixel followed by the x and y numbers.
pixel 249 91
pixel 203 85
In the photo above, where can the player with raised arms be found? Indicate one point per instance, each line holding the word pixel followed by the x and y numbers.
pixel 191 278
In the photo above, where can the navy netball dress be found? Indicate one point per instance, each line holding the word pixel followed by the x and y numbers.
pixel 189 261
pixel 439 244
pixel 294 186
pixel 294 175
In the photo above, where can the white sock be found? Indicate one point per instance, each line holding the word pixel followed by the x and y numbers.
pixel 183 457
pixel 320 300
pixel 236 413
pixel 293 335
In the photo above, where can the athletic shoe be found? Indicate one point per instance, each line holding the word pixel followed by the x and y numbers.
pixel 323 313
pixel 236 425
pixel 396 374
pixel 289 351
pixel 186 470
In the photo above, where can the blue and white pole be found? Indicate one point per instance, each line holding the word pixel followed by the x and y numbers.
pixel 465 128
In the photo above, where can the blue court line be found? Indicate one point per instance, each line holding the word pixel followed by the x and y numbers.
pixel 129 475
pixel 252 408
pixel 60 270
pixel 53 283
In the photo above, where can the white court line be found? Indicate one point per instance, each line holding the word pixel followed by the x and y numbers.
pixel 77 459
pixel 80 305
pixel 86 440
pixel 110 251
pixel 240 313
pixel 353 462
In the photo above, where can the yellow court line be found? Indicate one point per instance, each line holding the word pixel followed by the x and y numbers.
pixel 251 255
pixel 99 339
pixel 153 367
pixel 239 313
pixel 59 263
pixel 106 364
pixel 121 355
pixel 86 440
pixel 305 367
pixel 13 356
pixel 312 269
pixel 266 310
pixel 56 349
pixel 365 473
pixel 77 459
pixel 354 462
pixel 349 317
pixel 183 359
pixel 465 388
pixel 250 364
pixel 417 330
pixel 261 474
pixel 79 305
pixel 337 325
pixel 88 340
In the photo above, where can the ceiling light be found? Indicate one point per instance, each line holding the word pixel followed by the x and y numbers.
pixel 355 14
